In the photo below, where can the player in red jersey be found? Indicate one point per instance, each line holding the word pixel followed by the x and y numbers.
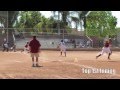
pixel 34 47
pixel 105 49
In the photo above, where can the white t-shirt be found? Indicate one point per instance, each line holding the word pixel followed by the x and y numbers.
pixel 6 45
pixel 62 45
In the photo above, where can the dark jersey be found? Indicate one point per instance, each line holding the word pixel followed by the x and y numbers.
pixel 26 45
pixel 34 44
pixel 106 44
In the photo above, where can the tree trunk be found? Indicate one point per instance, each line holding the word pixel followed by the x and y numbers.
pixel 58 24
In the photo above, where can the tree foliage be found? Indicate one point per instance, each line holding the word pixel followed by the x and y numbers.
pixel 100 23
pixel 32 19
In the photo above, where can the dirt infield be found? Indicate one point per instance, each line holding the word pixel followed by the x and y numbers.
pixel 77 65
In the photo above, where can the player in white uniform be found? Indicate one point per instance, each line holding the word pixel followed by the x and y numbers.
pixel 62 47
pixel 105 49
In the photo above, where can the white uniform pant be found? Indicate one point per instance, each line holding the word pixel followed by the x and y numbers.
pixel 63 49
pixel 105 50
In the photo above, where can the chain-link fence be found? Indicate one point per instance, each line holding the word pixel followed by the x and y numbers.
pixel 50 38
pixel 99 36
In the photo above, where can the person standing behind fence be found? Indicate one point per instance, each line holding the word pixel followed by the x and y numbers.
pixel 74 43
pixel 88 43
pixel 34 47
pixel 5 45
pixel 62 47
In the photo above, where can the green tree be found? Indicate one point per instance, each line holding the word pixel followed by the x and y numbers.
pixel 76 20
pixel 27 19
pixel 64 21
pixel 100 23
pixel 37 22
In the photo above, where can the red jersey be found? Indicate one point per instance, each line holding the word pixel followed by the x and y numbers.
pixel 34 45
pixel 107 44
pixel 26 45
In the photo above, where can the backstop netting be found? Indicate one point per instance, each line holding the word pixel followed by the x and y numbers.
pixel 50 38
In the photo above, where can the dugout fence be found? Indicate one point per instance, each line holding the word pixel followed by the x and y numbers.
pixel 51 37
